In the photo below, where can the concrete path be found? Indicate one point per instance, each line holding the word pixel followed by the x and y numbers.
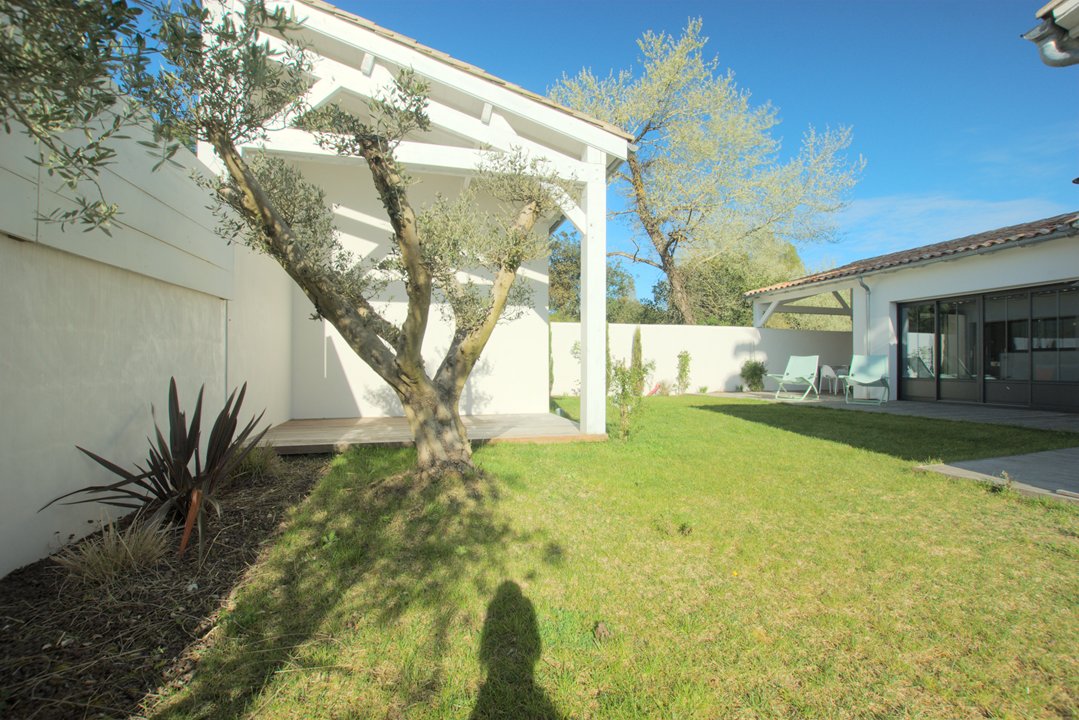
pixel 1052 473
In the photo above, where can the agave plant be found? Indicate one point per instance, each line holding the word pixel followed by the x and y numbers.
pixel 166 480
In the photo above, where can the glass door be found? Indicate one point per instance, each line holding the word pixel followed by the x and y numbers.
pixel 1007 348
pixel 958 324
pixel 917 351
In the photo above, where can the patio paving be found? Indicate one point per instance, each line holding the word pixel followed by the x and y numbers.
pixel 1053 473
pixel 338 434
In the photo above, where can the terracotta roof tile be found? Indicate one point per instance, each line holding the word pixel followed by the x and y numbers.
pixel 950 248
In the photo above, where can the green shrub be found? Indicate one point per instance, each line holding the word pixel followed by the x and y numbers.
pixel 703 389
pixel 261 462
pixel 626 384
pixel 167 480
pixel 636 360
pixel 682 382
pixel 113 553
pixel 753 372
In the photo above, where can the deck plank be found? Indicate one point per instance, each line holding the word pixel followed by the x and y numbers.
pixel 338 434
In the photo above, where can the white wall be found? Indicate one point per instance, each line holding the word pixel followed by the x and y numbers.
pixel 260 334
pixel 1041 263
pixel 330 381
pixel 91 329
pixel 164 231
pixel 85 349
pixel 716 353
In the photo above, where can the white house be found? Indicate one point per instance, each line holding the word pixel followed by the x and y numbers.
pixel 93 326
pixel 989 318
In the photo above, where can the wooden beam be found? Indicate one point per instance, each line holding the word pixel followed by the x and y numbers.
pixel 840 299
pixel 812 310
pixel 594 301
pixel 767 314
pixel 442 159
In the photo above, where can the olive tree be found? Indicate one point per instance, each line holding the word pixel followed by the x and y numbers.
pixel 220 81
pixel 58 62
pixel 705 180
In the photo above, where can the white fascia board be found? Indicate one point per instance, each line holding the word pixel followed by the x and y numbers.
pixel 342 31
pixel 1066 15
pixel 802 292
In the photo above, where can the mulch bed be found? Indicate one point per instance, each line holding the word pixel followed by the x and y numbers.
pixel 74 649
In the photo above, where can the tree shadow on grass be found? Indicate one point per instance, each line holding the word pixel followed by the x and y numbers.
pixel 370 543
pixel 908 438
pixel 509 649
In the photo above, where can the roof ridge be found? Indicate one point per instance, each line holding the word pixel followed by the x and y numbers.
pixel 462 65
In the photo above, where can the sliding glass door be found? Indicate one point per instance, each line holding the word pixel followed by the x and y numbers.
pixel 918 354
pixel 1007 349
pixel 1019 347
pixel 957 332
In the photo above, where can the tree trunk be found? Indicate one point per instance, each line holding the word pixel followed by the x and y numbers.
pixel 442 445
pixel 679 296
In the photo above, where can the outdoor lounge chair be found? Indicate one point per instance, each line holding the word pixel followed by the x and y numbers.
pixel 801 370
pixel 866 371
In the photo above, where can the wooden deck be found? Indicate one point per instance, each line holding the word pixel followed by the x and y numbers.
pixel 335 435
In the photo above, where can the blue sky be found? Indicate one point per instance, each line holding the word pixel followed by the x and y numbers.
pixel 962 127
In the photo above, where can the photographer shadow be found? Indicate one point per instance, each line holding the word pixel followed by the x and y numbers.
pixel 509 649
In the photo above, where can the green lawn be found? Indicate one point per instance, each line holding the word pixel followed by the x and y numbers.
pixel 743 560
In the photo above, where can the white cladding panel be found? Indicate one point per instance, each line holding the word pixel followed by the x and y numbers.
pixel 164 230
pixel 86 349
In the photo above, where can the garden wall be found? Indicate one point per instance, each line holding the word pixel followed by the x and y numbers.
pixel 91 328
pixel 716 353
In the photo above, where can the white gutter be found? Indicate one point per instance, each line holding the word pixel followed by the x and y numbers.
pixel 1057 37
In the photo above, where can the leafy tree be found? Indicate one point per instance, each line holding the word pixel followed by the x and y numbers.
pixel 58 62
pixel 706 178
pixel 564 278
pixel 625 389
pixel 221 83
pixel 682 383
pixel 716 285
pixel 564 281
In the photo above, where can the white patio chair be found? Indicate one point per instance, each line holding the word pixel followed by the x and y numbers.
pixel 831 376
pixel 801 370
pixel 866 371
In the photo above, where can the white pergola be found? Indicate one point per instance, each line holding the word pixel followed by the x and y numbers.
pixel 471 113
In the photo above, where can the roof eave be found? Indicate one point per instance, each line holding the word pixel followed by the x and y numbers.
pixel 854 275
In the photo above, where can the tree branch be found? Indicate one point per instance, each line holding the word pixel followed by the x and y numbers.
pixel 361 326
pixel 465 348
pixel 635 258
pixel 391 186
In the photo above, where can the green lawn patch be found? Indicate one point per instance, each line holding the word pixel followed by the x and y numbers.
pixel 732 559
